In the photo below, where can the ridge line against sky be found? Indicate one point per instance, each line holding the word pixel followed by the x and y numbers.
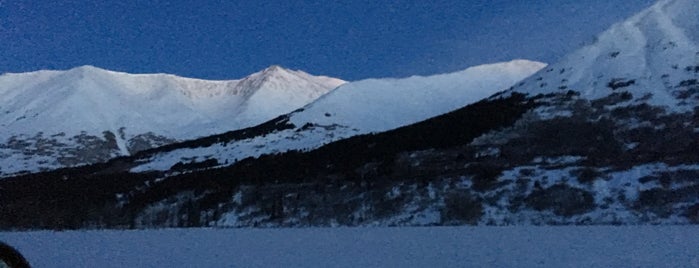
pixel 350 40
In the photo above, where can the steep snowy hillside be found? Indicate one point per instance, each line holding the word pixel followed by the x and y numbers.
pixel 361 107
pixel 654 56
pixel 85 115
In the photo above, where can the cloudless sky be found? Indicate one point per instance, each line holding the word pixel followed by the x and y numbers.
pixel 351 39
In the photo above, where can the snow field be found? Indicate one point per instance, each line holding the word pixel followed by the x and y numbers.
pixel 524 246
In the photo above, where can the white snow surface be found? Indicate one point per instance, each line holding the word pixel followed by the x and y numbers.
pixel 523 246
pixel 365 106
pixel 55 106
pixel 652 49
pixel 93 100
pixel 375 105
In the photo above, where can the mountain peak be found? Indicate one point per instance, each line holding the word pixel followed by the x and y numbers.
pixel 652 55
pixel 87 69
pixel 277 84
pixel 274 68
pixel 269 72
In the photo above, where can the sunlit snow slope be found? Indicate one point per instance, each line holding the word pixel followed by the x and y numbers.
pixel 361 107
pixel 61 118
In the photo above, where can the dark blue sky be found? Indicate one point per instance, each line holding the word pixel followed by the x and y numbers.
pixel 347 39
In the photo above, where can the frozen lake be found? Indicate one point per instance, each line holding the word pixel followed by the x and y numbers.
pixel 637 246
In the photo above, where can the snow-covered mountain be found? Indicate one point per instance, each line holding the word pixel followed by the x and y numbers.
pixel 84 115
pixel 606 136
pixel 361 107
pixel 653 55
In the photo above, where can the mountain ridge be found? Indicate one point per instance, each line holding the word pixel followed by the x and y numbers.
pixel 362 107
pixel 122 113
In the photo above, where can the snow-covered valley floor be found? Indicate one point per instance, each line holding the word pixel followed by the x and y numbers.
pixel 623 246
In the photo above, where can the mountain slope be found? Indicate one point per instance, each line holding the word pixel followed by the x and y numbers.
pixel 86 114
pixel 653 55
pixel 598 138
pixel 606 136
pixel 356 108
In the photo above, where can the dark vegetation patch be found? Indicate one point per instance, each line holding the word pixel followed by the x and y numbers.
pixel 660 201
pixel 686 83
pixel 180 166
pixel 686 94
pixel 334 202
pixel 639 112
pixel 692 213
pixel 564 136
pixel 612 99
pixel 586 174
pixel 527 172
pixel 692 69
pixel 682 176
pixel 667 178
pixel 484 176
pixel 460 207
pixel 647 179
pixel 61 200
pixel 562 200
pixel 617 83
pixel 669 138
pixel 687 89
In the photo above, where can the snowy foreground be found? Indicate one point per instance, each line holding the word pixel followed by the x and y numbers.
pixel 637 246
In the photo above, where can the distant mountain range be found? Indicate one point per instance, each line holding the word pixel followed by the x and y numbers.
pixel 605 136
pixel 355 108
pixel 53 119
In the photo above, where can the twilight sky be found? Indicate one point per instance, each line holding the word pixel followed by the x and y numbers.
pixel 347 39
